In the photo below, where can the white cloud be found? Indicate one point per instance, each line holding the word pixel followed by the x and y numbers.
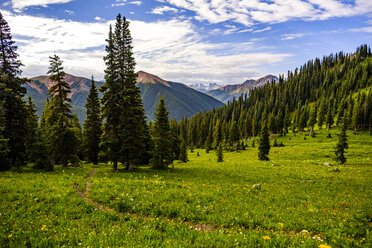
pixel 362 30
pixel 262 30
pixel 70 12
pixel 161 10
pixel 249 12
pixel 97 18
pixel 21 4
pixel 292 36
pixel 171 49
pixel 125 2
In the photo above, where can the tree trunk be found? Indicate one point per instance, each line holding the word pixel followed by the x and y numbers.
pixel 115 166
pixel 311 130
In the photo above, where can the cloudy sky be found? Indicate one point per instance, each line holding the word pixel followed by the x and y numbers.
pixel 189 41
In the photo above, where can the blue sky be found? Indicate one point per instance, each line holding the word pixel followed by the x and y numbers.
pixel 189 41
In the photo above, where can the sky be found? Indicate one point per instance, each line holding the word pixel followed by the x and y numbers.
pixel 188 41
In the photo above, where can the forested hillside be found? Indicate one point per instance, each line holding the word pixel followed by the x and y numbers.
pixel 321 92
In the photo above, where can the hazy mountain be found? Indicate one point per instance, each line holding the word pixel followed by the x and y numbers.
pixel 205 87
pixel 180 99
pixel 228 92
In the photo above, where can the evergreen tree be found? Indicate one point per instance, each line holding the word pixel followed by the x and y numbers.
pixel 183 152
pixel 322 113
pixel 92 125
pixel 234 135
pixel 219 153
pixel 264 143
pixel 217 135
pixel 31 127
pixel 126 135
pixel 4 149
pixel 14 113
pixel 40 152
pixel 329 120
pixel 162 153
pixel 209 140
pixel 62 134
pixel 175 139
pixel 312 121
pixel 342 144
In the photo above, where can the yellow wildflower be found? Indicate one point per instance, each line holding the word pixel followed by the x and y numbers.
pixel 266 237
pixel 324 246
pixel 10 235
pixel 280 224
pixel 43 228
pixel 344 220
pixel 198 206
pixel 245 214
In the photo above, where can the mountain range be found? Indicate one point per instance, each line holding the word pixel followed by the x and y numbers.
pixel 229 92
pixel 180 99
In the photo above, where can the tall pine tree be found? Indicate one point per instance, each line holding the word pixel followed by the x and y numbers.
pixel 342 144
pixel 92 125
pixel 125 132
pixel 59 125
pixel 14 113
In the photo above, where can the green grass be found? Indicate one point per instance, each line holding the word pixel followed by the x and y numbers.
pixel 302 202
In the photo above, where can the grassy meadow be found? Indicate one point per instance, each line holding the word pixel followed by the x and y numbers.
pixel 201 203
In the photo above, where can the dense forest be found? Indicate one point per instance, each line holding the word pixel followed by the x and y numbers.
pixel 322 93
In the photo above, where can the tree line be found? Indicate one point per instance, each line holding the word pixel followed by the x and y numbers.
pixel 320 93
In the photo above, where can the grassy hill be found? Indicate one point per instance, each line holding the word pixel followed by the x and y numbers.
pixel 302 202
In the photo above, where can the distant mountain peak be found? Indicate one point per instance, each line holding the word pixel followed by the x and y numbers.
pixel 148 78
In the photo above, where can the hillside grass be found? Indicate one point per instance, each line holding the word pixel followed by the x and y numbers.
pixel 302 202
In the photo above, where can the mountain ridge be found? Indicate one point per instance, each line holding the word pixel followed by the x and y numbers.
pixel 181 100
pixel 229 92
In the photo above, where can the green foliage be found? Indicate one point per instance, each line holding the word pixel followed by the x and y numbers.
pixel 234 135
pixel 342 145
pixel 92 126
pixel 162 153
pixel 183 152
pixel 40 152
pixel 219 154
pixel 11 98
pixel 264 144
pixel 31 127
pixel 125 132
pixel 60 126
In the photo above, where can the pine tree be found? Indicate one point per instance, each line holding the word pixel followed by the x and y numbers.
pixel 264 143
pixel 234 135
pixel 14 128
pixel 4 149
pixel 312 121
pixel 209 140
pixel 162 153
pixel 183 152
pixel 329 120
pixel 92 125
pixel 219 153
pixel 342 144
pixel 126 135
pixel 175 139
pixel 322 113
pixel 40 152
pixel 31 126
pixel 62 133
pixel 217 135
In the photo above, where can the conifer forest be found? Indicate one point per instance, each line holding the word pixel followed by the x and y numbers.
pixel 287 164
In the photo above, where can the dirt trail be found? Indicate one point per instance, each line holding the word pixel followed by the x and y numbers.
pixel 196 226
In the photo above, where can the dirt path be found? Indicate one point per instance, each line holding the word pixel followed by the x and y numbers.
pixel 196 226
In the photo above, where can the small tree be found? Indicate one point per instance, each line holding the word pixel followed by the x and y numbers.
pixel 234 135
pixel 162 153
pixel 219 154
pixel 342 145
pixel 183 152
pixel 92 125
pixel 264 143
